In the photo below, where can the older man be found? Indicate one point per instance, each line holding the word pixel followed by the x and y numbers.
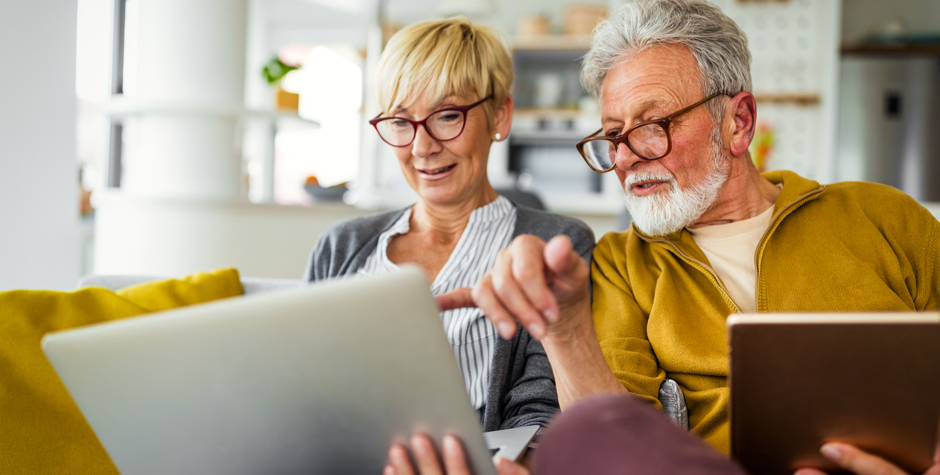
pixel 711 235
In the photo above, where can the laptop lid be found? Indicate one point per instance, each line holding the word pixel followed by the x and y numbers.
pixel 319 379
pixel 800 380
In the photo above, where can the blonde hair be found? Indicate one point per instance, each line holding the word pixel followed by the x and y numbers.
pixel 442 58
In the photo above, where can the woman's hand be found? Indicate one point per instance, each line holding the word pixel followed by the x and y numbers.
pixel 860 462
pixel 425 454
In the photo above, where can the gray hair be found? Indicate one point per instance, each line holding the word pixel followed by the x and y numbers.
pixel 717 43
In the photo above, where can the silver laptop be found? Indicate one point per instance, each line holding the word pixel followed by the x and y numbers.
pixel 319 379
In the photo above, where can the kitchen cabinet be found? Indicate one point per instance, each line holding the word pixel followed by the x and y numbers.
pixel 553 113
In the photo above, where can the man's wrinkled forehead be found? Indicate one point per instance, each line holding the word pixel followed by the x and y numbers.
pixel 660 75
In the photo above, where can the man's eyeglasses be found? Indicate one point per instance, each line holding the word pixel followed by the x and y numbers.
pixel 443 125
pixel 649 140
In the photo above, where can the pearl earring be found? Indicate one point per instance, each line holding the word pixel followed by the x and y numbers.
pixel 498 136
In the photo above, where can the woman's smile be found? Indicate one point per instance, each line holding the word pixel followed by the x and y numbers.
pixel 436 173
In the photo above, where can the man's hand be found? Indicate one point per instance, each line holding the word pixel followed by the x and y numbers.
pixel 543 286
pixel 425 454
pixel 861 463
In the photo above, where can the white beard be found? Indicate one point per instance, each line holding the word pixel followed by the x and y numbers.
pixel 666 212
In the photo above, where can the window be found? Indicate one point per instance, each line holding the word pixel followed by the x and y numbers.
pixel 330 87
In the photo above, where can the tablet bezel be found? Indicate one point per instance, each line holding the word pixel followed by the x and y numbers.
pixel 758 346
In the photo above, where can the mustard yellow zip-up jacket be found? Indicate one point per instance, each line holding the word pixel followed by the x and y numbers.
pixel 660 309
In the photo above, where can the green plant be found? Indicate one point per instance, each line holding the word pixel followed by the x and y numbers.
pixel 275 70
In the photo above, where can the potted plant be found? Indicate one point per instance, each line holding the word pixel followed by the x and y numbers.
pixel 273 71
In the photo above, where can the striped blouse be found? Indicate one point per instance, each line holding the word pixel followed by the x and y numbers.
pixel 471 335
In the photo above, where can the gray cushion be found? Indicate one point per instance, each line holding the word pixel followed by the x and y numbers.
pixel 254 285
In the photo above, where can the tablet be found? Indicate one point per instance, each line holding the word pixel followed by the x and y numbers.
pixel 319 379
pixel 800 380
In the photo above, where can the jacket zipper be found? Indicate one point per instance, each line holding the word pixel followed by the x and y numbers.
pixel 701 267
pixel 713 276
pixel 774 222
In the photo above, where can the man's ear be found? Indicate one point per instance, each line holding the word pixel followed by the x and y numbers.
pixel 742 110
pixel 502 118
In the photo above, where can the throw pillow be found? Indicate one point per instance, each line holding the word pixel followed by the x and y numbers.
pixel 41 428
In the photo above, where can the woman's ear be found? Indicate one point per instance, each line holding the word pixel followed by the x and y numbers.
pixel 742 110
pixel 502 120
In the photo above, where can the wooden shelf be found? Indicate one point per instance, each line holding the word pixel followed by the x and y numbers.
pixel 546 138
pixel 551 43
pixel 547 114
pixel 899 49
pixel 799 98
pixel 121 107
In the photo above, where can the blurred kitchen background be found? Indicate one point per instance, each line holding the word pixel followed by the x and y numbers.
pixel 164 137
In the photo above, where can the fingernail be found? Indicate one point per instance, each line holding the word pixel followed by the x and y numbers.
pixel 388 470
pixel 831 452
pixel 536 330
pixel 418 443
pixel 506 329
pixel 550 315
pixel 399 457
pixel 450 443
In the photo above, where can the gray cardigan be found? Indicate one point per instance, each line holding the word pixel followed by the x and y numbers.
pixel 522 385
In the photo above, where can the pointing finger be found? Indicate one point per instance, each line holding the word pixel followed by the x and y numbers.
pixel 560 256
pixel 458 298
pixel 528 271
pixel 486 298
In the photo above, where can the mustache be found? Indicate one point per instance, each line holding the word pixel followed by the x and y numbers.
pixel 647 176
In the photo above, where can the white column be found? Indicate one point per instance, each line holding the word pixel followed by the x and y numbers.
pixel 369 194
pixel 182 208
pixel 184 153
pixel 259 95
pixel 192 63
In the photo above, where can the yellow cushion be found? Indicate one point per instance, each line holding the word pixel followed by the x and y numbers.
pixel 41 428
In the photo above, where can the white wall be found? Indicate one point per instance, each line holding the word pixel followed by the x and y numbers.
pixel 174 237
pixel 39 239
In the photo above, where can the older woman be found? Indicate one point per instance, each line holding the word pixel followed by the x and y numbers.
pixel 444 90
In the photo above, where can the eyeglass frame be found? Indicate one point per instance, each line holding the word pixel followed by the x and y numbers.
pixel 423 122
pixel 664 122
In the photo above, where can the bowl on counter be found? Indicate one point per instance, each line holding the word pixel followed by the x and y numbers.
pixel 326 194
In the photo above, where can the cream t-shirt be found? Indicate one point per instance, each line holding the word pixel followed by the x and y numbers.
pixel 730 249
